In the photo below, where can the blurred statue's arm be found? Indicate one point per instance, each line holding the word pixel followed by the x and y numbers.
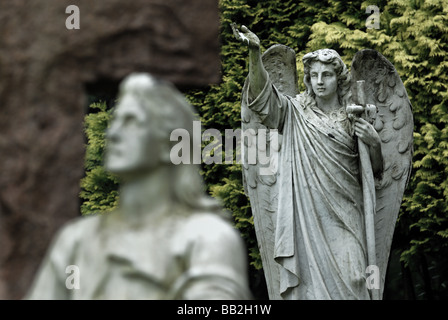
pixel 216 263
pixel 49 283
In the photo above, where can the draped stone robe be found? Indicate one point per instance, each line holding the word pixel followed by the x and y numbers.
pixel 319 237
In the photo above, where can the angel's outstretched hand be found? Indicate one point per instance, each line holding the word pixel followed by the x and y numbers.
pixel 246 36
pixel 366 132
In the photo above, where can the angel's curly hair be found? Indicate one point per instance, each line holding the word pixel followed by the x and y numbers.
pixel 329 56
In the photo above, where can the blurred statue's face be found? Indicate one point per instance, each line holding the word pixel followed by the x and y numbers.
pixel 323 80
pixel 130 148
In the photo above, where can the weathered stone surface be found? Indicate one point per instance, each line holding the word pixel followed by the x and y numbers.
pixel 326 204
pixel 44 71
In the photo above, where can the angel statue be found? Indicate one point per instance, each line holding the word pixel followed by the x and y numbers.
pixel 325 214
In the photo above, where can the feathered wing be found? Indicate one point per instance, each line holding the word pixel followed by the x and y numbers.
pixel 394 123
pixel 260 176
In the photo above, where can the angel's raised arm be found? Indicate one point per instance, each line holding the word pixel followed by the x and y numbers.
pixel 257 73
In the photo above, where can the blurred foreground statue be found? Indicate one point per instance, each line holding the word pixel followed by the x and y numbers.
pixel 326 205
pixel 166 239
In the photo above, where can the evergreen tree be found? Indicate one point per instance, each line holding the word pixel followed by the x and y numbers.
pixel 99 189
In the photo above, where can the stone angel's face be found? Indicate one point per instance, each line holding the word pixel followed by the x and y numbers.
pixel 323 80
pixel 131 149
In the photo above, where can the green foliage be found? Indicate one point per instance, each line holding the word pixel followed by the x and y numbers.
pixel 98 188
pixel 413 35
pixel 232 194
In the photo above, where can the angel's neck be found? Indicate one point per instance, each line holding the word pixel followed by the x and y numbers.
pixel 328 105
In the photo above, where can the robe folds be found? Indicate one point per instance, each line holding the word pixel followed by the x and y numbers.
pixel 319 234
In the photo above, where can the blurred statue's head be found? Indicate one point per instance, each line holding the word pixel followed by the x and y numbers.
pixel 330 61
pixel 148 110
pixel 138 138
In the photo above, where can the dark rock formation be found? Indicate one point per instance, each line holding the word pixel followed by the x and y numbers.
pixel 44 71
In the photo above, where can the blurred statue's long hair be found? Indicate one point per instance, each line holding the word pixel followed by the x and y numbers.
pixel 329 56
pixel 169 110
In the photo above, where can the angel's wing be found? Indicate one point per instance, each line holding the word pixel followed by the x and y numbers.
pixel 280 62
pixel 394 123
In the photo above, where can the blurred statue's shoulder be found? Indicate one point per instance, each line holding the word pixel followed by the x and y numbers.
pixel 209 230
pixel 75 229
